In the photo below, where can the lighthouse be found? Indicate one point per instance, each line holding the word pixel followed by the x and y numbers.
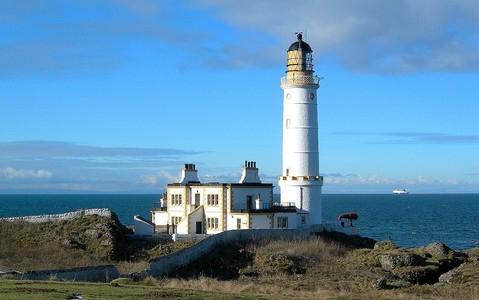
pixel 300 183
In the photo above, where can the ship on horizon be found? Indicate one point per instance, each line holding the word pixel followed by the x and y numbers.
pixel 400 192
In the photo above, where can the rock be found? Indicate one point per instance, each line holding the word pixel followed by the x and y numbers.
pixel 447 277
pixel 419 275
pixel 93 233
pixel 389 262
pixel 385 245
pixel 437 249
pixel 381 284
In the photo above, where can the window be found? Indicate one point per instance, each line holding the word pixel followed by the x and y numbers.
pixel 176 199
pixel 288 123
pixel 212 223
pixel 282 222
pixel 212 200
pixel 175 220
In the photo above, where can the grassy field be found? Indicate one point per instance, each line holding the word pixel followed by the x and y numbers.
pixel 149 289
pixel 330 266
pixel 207 288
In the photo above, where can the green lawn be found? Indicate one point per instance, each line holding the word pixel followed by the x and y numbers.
pixel 17 289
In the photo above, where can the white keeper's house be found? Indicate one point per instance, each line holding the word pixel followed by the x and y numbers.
pixel 193 207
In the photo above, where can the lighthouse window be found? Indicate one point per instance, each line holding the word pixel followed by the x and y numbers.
pixel 212 223
pixel 212 200
pixel 282 222
pixel 288 123
pixel 176 199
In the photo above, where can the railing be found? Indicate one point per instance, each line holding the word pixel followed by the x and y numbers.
pixel 243 207
pixel 299 80
pixel 301 178
pixel 158 207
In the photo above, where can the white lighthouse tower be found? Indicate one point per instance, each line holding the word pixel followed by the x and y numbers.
pixel 300 182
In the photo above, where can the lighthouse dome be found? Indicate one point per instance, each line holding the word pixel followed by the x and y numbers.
pixel 300 44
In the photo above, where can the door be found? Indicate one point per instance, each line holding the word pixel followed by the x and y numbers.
pixel 197 200
pixel 249 202
pixel 238 223
pixel 199 227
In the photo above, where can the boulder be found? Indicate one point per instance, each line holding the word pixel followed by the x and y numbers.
pixel 437 249
pixel 385 245
pixel 381 284
pixel 447 277
pixel 418 275
pixel 391 261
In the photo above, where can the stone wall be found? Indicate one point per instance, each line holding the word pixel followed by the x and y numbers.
pixel 165 264
pixel 95 274
pixel 102 212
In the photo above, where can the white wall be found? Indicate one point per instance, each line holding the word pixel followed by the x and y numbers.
pixel 143 227
pixel 159 217
pixel 240 193
pixel 292 221
pixel 232 219
pixel 261 221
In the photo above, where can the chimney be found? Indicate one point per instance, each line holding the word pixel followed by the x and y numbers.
pixel 250 173
pixel 189 174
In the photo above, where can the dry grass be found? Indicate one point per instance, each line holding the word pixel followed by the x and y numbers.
pixel 27 247
pixel 315 268
pixel 331 266
pixel 80 242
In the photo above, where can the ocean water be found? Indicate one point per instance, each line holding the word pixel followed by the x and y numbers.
pixel 409 220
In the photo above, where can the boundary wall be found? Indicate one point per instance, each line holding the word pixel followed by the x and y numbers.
pixel 164 265
pixel 96 274
pixel 102 212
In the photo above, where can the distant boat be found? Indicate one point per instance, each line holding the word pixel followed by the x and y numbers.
pixel 400 192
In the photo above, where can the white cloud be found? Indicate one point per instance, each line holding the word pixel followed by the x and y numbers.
pixel 369 36
pixel 149 180
pixel 168 177
pixel 365 36
pixel 382 184
pixel 10 173
pixel 30 165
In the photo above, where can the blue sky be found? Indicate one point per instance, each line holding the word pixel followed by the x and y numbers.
pixel 115 96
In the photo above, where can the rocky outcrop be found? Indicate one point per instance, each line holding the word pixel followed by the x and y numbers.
pixel 102 212
pixel 390 262
pixel 424 265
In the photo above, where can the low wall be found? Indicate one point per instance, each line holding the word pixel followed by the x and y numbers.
pixel 95 274
pixel 165 264
pixel 102 212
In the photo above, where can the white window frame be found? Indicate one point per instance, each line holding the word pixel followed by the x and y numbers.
pixel 282 222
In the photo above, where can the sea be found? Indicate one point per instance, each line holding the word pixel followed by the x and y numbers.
pixel 410 220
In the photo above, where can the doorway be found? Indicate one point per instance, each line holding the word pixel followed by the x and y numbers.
pixel 199 227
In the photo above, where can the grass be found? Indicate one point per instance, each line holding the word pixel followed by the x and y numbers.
pixel 147 289
pixel 329 266
pixel 80 242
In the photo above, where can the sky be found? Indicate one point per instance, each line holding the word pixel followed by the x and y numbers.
pixel 116 96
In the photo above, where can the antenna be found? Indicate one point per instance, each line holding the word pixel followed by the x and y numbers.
pixel 299 34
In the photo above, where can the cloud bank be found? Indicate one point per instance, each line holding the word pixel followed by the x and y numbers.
pixel 371 36
pixel 62 166
pixel 435 138
pixel 353 183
